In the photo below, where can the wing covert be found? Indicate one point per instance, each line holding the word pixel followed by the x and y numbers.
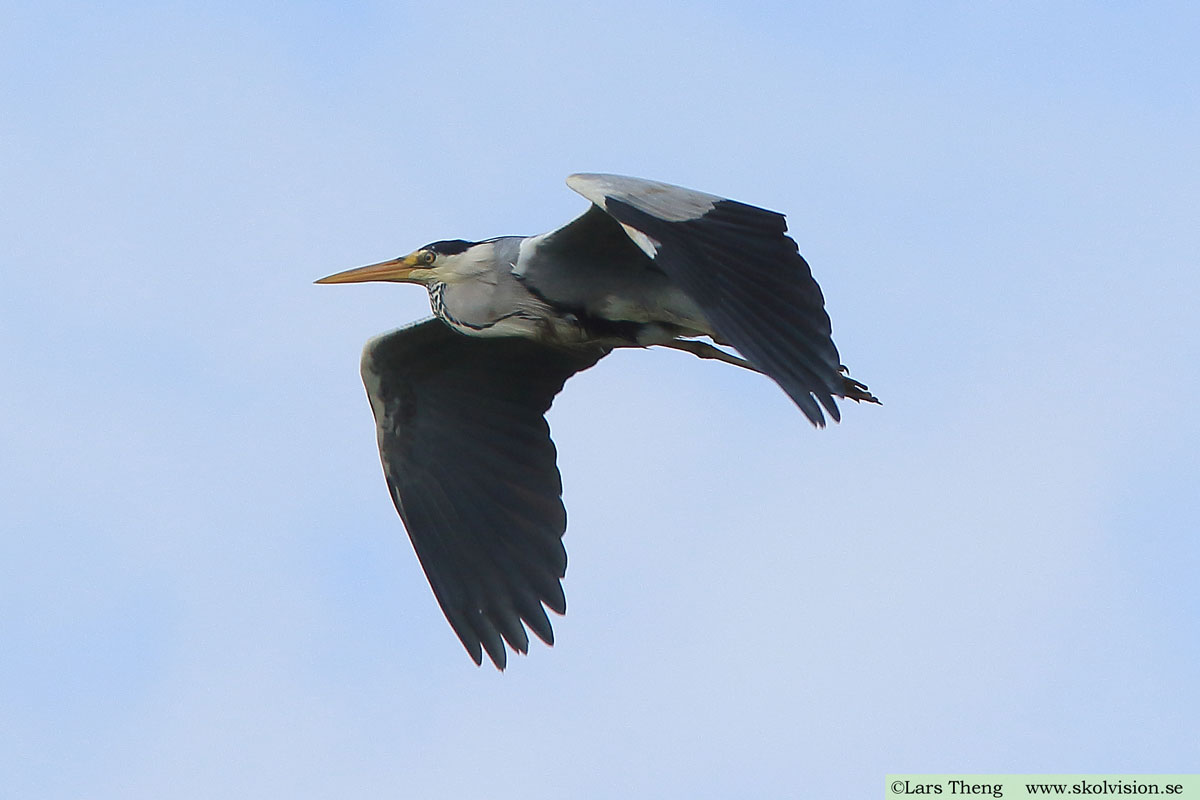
pixel 470 466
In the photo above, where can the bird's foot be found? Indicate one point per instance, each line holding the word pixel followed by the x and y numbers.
pixel 853 390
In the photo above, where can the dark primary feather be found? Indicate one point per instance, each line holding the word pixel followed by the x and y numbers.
pixel 739 265
pixel 468 459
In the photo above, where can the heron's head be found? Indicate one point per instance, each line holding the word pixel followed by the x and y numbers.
pixel 439 261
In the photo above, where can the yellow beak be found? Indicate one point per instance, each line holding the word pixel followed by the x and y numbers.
pixel 398 269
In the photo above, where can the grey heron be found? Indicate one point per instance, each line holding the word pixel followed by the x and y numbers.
pixel 459 400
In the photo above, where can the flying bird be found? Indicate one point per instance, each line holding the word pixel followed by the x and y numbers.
pixel 459 400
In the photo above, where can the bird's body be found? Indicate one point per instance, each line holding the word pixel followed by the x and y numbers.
pixel 512 286
pixel 459 401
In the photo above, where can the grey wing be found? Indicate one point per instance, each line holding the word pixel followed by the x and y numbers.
pixel 471 468
pixel 738 264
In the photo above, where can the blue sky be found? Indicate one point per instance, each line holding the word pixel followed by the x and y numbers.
pixel 205 592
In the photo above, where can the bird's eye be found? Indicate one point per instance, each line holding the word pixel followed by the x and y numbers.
pixel 426 257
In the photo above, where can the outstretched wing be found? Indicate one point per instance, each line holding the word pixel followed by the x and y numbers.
pixel 468 459
pixel 738 264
